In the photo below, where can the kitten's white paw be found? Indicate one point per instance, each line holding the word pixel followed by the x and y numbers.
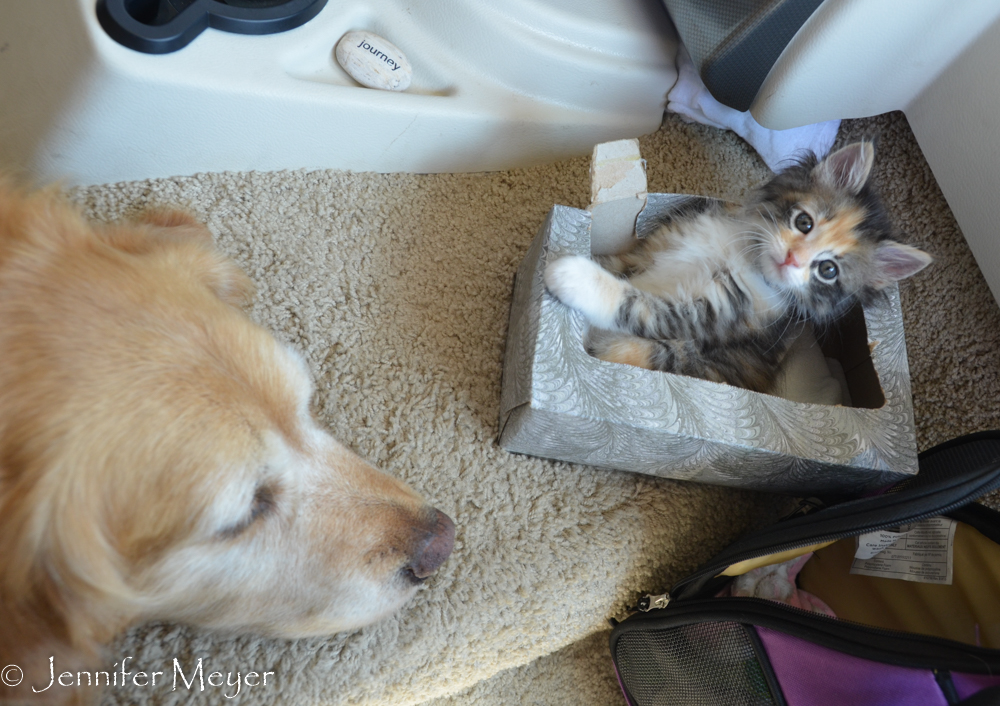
pixel 582 284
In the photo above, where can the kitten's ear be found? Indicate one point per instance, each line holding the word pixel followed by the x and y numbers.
pixel 895 261
pixel 847 168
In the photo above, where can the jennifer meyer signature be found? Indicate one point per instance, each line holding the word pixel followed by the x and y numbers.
pixel 193 677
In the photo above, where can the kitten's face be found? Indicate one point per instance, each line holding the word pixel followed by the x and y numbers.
pixel 829 235
pixel 820 254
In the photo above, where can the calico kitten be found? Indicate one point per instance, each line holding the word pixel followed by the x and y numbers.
pixel 718 294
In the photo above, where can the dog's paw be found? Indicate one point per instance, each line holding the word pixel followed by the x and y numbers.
pixel 582 284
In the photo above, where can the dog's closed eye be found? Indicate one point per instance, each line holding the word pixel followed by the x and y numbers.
pixel 264 502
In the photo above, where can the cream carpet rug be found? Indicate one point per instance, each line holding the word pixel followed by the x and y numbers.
pixel 396 288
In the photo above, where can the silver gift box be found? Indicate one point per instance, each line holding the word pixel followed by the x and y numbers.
pixel 559 402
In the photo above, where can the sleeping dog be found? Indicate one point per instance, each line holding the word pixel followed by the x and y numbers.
pixel 158 459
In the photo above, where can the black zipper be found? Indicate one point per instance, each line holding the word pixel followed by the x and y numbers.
pixel 716 568
pixel 811 506
pixel 864 641
pixel 983 519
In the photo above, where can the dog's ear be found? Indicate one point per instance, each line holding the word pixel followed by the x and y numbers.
pixel 46 609
pixel 179 235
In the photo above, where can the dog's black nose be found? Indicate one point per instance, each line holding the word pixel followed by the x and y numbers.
pixel 436 548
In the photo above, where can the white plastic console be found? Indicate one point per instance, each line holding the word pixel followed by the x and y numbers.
pixel 496 84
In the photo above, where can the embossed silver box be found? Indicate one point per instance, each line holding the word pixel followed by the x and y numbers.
pixel 559 402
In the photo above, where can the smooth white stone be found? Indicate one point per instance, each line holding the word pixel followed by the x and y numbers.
pixel 373 61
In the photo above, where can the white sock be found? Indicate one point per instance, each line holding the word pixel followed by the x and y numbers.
pixel 779 148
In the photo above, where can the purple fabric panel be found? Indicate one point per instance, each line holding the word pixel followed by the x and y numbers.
pixel 811 675
pixel 968 684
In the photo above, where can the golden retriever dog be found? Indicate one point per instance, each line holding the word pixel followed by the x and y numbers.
pixel 158 458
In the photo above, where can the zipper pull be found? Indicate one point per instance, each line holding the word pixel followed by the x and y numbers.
pixel 649 602
pixel 805 507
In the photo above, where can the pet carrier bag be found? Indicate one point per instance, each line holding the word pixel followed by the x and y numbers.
pixel 912 575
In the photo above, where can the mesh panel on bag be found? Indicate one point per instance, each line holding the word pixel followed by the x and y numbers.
pixel 704 664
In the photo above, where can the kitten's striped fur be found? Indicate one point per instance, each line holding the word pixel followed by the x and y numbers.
pixel 717 293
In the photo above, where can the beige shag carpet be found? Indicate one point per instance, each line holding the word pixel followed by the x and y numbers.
pixel 396 288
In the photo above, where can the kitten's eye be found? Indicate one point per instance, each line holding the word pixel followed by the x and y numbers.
pixel 804 222
pixel 827 270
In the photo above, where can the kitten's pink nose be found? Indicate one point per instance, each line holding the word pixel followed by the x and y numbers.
pixel 790 260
